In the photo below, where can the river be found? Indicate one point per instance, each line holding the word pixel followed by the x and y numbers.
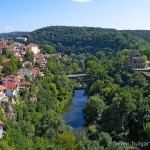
pixel 74 116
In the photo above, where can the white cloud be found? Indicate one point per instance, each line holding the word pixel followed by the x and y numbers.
pixel 7 28
pixel 82 1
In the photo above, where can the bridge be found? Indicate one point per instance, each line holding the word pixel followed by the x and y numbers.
pixel 76 75
pixel 141 69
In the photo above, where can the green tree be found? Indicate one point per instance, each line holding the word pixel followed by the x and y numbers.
pixel 93 109
pixel 115 117
pixel 29 56
pixel 50 124
pixel 49 49
pixel 10 68
pixel 66 140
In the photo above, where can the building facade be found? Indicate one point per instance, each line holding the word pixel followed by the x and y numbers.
pixel 135 60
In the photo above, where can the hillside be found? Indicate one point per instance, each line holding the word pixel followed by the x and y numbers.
pixel 13 34
pixel 88 39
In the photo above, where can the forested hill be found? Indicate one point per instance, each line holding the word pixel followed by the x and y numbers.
pixel 13 34
pixel 88 39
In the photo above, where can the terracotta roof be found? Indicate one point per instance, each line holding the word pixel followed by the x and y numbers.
pixel 1 123
pixel 18 57
pixel 26 83
pixel 31 45
pixel 21 87
pixel 10 77
pixel 38 55
pixel 35 70
pixel 10 85
pixel 2 88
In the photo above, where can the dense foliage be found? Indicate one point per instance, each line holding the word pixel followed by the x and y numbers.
pixel 89 39
pixel 38 123
pixel 13 64
pixel 119 100
pixel 117 112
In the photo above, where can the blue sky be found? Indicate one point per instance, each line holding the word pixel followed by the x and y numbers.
pixel 28 15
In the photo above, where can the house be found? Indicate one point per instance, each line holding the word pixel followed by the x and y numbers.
pixel 17 44
pixel 39 58
pixel 25 83
pixel 3 97
pixel 134 59
pixel 30 73
pixel 34 48
pixel 3 42
pixel 11 48
pixel 36 71
pixel 11 89
pixel 1 129
pixel 21 39
pixel 25 72
pixel 10 79
pixel 42 64
pixel 19 58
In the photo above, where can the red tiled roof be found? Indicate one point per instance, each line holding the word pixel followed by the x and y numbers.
pixel 26 83
pixel 38 55
pixel 10 77
pixel 32 45
pixel 35 70
pixel 21 87
pixel 18 57
pixel 10 85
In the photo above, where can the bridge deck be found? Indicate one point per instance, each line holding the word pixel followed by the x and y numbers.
pixel 76 75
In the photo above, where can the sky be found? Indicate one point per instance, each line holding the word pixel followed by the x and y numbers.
pixel 29 15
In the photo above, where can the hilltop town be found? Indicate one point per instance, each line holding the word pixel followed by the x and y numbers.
pixel 14 79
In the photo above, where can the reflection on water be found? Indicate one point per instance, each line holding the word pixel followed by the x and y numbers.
pixel 74 117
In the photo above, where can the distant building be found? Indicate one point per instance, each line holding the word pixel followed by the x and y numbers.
pixel 11 89
pixel 25 72
pixel 134 59
pixel 34 48
pixel 10 79
pixel 31 73
pixel 22 39
pixel 40 59
pixel 17 44
pixel 3 42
